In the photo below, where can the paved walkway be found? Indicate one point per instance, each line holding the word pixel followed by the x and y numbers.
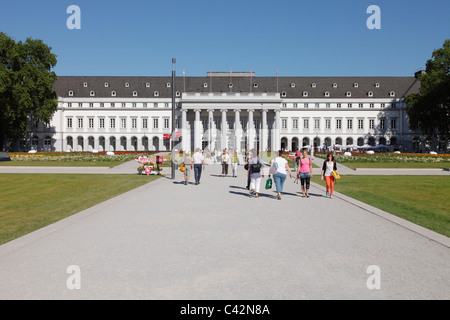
pixel 165 240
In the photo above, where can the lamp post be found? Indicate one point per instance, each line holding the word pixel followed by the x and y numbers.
pixel 172 138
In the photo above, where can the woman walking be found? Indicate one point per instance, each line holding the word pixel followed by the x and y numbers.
pixel 329 165
pixel 234 163
pixel 255 169
pixel 225 161
pixel 305 173
pixel 281 167
pixel 188 164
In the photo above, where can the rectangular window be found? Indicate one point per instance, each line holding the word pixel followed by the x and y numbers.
pixel 123 123
pixel 134 104
pixel 349 105
pixel 284 105
pixel 69 122
pixel 155 124
pixel 393 124
pixel 327 124
pixel 113 104
pixel 144 123
pixel 295 105
pixel 145 104
pixel 361 105
pixel 339 124
pixel 91 105
pixel 316 123
pixel 91 123
pixel 328 105
pixel 382 124
pixel 155 105
pixel 101 123
pixel 317 105
pixel 372 105
pixel 283 123
pixel 294 123
pixel 124 105
pixel 360 124
pixel 166 105
pixel 350 124
pixel 338 105
pixel 305 123
pixel 69 105
pixel 80 105
pixel 112 123
pixel 80 123
pixel 306 105
pixel 167 125
pixel 133 123
pixel 371 124
pixel 383 105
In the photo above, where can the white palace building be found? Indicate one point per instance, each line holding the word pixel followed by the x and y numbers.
pixel 230 110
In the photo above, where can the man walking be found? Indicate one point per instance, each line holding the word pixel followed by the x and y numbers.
pixel 199 164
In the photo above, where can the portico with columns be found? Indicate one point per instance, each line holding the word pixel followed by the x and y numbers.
pixel 240 121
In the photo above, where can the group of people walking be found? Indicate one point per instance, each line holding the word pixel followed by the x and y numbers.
pixel 279 169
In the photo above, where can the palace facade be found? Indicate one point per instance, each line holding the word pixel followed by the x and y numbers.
pixel 231 110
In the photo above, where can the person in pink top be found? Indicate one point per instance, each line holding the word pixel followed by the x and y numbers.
pixel 305 173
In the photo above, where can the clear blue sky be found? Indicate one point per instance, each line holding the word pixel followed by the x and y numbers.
pixel 300 38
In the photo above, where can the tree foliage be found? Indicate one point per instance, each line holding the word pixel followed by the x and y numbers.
pixel 26 86
pixel 429 110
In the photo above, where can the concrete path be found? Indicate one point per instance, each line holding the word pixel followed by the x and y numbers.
pixel 165 240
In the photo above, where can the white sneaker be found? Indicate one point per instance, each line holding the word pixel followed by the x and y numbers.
pixel 326 195
pixel 331 197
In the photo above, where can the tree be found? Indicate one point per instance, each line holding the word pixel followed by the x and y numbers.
pixel 26 86
pixel 429 110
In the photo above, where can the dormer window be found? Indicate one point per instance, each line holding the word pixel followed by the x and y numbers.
pixel 370 94
pixel 313 85
pixel 106 84
pixel 355 85
pixel 70 93
pixel 335 85
pixel 348 94
pixel 205 85
pixel 377 85
pixel 255 85
pixel 135 94
pixel 113 93
pixel 392 94
pixel 178 93
pixel 85 84
pixel 127 85
pixel 230 85
pixel 283 94
pixel 305 94
pixel 147 85
pixel 156 94
pixel 168 85
pixel 92 93
pixel 327 94
pixel 292 85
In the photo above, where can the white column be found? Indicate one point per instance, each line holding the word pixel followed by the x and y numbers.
pixel 210 129
pixel 197 131
pixel 237 130
pixel 251 130
pixel 276 143
pixel 223 129
pixel 185 132
pixel 264 136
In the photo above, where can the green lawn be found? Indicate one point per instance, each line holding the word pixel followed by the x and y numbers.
pixel 422 200
pixel 413 165
pixel 30 202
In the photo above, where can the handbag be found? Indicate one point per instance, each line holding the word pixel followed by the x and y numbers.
pixel 182 168
pixel 269 184
pixel 246 166
pixel 336 175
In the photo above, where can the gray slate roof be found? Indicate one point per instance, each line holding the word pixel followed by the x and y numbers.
pixel 400 85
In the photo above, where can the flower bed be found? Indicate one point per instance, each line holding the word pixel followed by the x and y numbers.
pixel 390 158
